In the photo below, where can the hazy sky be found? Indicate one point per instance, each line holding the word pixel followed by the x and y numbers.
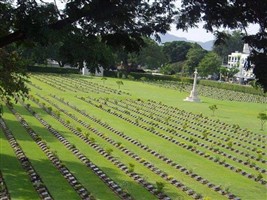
pixel 200 34
pixel 196 34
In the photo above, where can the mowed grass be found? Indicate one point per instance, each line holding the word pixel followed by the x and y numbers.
pixel 13 171
pixel 56 184
pixel 86 177
pixel 243 114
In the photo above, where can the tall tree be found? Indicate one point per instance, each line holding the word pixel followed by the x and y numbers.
pixel 193 58
pixel 210 64
pixel 176 51
pixel 233 14
pixel 172 68
pixel 151 56
pixel 80 50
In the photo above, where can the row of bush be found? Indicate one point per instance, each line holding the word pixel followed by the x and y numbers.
pixel 58 70
pixel 146 76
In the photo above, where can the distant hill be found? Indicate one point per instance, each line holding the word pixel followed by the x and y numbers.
pixel 170 38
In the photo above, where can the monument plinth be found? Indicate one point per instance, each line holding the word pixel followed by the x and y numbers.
pixel 193 94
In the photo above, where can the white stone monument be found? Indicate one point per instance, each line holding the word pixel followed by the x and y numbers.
pixel 193 95
pixel 85 71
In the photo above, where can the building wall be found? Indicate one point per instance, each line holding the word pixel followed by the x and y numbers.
pixel 238 59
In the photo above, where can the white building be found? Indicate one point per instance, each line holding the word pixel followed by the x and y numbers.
pixel 238 59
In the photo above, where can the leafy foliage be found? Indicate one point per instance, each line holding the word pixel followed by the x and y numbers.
pixel 78 50
pixel 1 110
pixel 213 108
pixel 119 23
pixel 210 64
pixel 193 58
pixel 119 83
pixel 52 70
pixel 151 56
pixel 263 118
pixel 234 87
pixel 227 73
pixel 13 77
pixel 176 51
pixel 160 186
pixel 172 68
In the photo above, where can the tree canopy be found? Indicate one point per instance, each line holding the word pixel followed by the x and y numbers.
pixel 209 65
pixel 151 56
pixel 177 50
pixel 193 58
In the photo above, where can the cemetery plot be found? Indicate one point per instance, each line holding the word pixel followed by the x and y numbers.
pixel 75 184
pixel 35 178
pixel 86 178
pixel 65 83
pixel 104 142
pixel 201 151
pixel 113 185
pixel 10 165
pixel 142 160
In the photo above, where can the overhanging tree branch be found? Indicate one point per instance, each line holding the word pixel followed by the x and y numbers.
pixel 11 38
pixel 20 35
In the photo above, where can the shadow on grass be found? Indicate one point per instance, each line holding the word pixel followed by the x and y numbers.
pixel 16 179
pixel 20 187
pixel 20 132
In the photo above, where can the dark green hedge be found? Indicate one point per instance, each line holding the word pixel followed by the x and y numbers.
pixel 148 76
pixel 235 87
pixel 151 77
pixel 58 70
pixel 112 74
